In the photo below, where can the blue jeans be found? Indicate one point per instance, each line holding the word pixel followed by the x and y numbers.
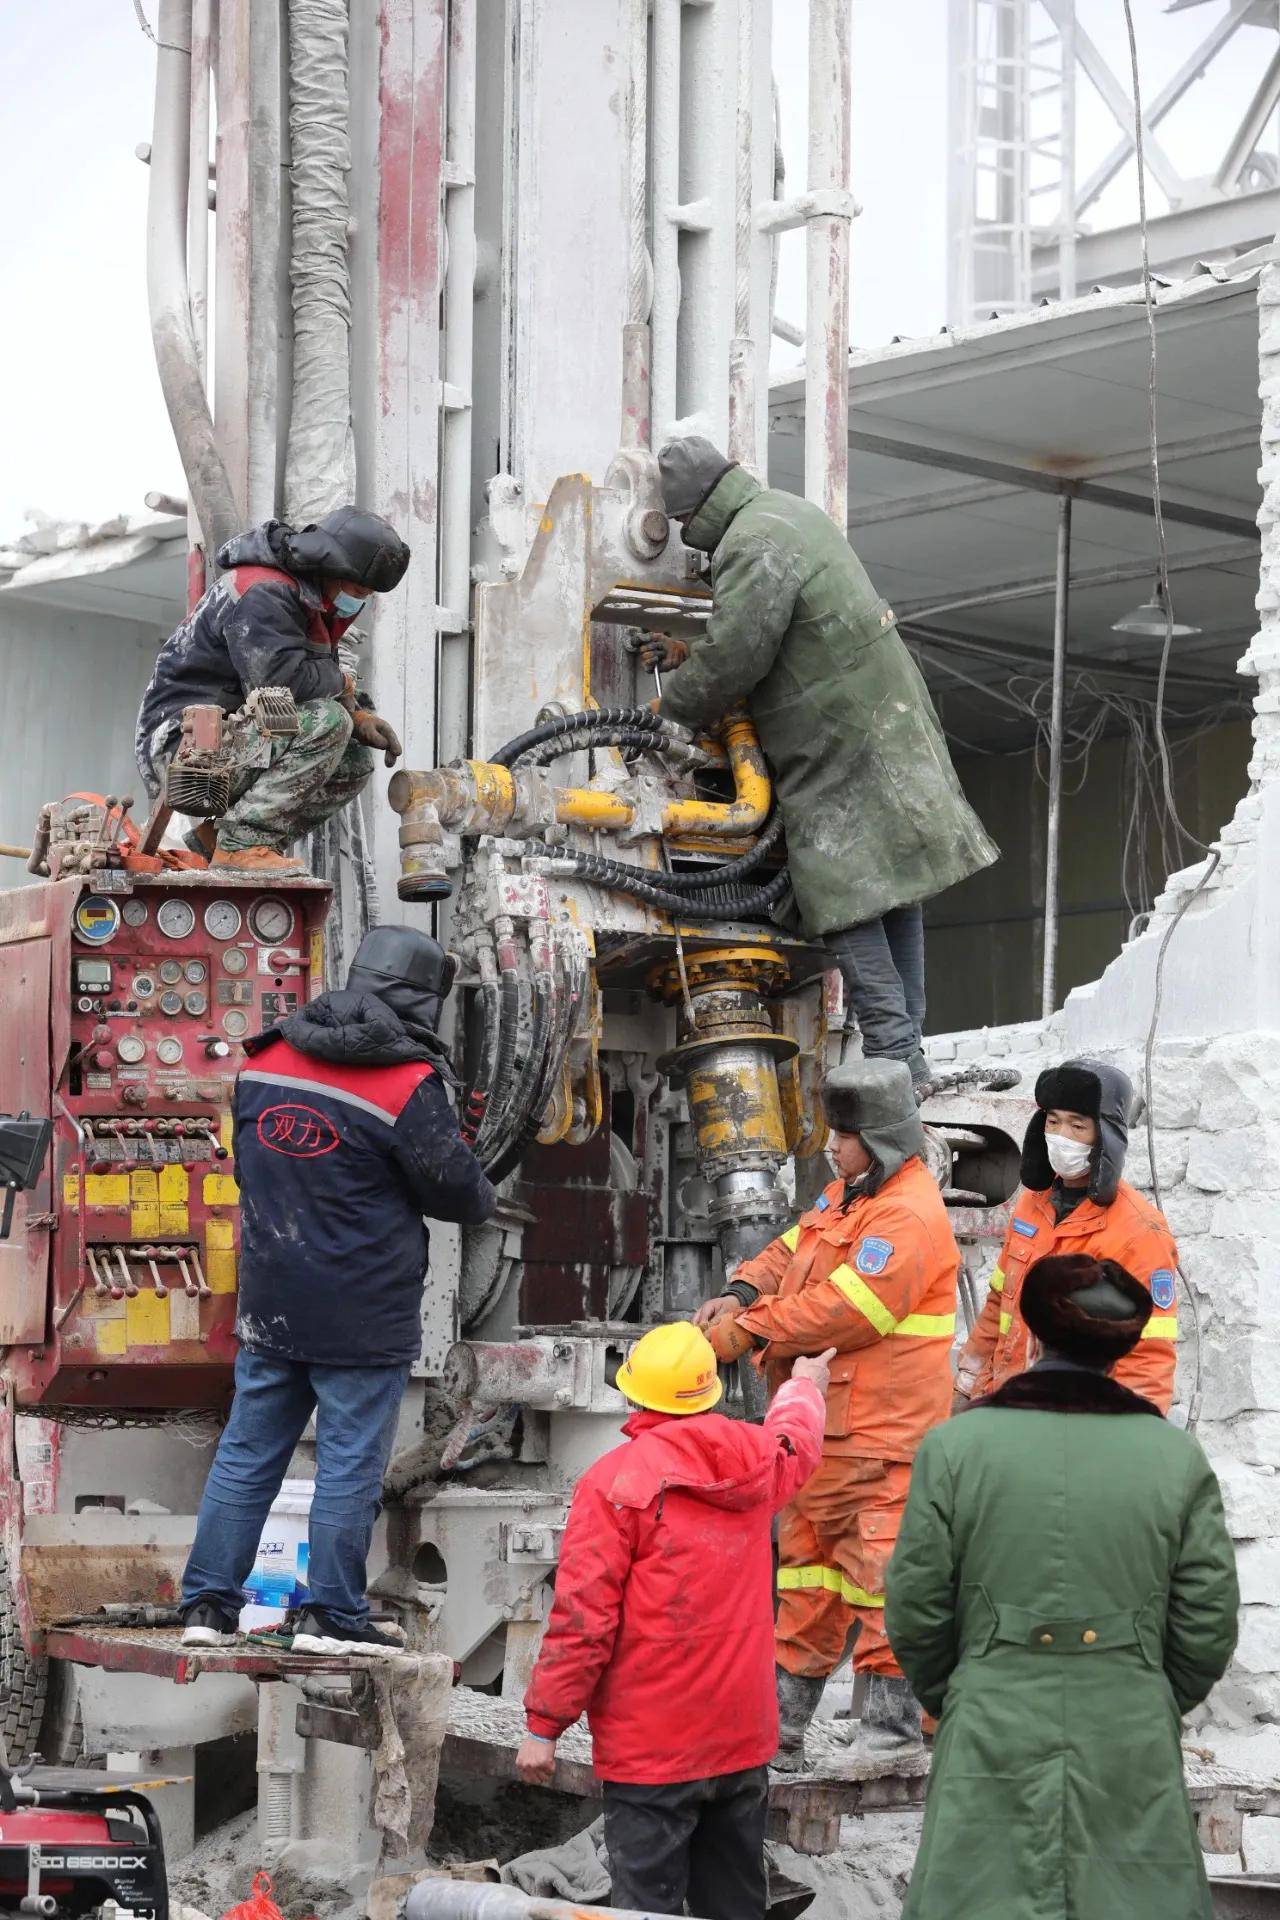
pixel 356 1410
pixel 883 967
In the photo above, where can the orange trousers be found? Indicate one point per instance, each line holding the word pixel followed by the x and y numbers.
pixel 835 1541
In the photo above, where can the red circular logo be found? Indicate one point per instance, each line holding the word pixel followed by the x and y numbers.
pixel 301 1133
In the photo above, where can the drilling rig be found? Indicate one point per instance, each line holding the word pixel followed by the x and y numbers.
pixel 470 264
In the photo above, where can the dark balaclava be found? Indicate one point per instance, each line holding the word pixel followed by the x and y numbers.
pixel 409 972
pixel 348 544
pixel 689 469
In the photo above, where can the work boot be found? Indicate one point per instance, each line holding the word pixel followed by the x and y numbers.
pixel 257 863
pixel 890 1722
pixel 923 1077
pixel 204 1624
pixel 798 1697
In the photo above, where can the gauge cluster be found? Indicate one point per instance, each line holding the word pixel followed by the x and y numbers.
pixel 170 982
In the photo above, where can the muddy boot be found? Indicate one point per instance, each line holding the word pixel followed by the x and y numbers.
pixel 798 1698
pixel 890 1722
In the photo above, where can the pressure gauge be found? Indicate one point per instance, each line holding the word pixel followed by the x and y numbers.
pixel 170 972
pixel 270 921
pixel 175 918
pixel 222 919
pixel 196 971
pixel 98 920
pixel 235 960
pixel 171 1003
pixel 235 1024
pixel 134 912
pixel 197 1003
pixel 131 1048
pixel 143 986
pixel 169 1051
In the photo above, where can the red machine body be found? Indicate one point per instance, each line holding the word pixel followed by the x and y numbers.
pixel 124 1001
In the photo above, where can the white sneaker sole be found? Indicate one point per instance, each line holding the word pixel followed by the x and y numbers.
pixel 330 1644
pixel 207 1637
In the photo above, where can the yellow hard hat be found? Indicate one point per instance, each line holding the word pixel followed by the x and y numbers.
pixel 671 1370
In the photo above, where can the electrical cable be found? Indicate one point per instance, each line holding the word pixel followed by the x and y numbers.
pixel 1214 858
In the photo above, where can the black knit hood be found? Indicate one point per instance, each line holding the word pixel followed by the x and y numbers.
pixel 1102 1092
pixel 356 1030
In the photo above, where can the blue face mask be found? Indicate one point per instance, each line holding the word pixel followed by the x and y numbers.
pixel 348 604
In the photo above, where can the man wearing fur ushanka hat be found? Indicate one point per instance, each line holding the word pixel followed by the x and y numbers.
pixel 1062 1591
pixel 1073 1201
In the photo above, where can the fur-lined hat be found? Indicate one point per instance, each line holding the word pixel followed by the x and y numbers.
pixel 1090 1311
pixel 1101 1092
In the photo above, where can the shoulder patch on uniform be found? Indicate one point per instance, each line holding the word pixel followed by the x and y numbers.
pixel 1162 1287
pixel 873 1255
pixel 821 1204
pixel 1027 1228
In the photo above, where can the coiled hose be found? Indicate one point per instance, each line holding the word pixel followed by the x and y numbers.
pixel 643 719
pixel 527 1122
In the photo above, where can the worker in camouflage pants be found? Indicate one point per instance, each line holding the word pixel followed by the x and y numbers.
pixel 273 618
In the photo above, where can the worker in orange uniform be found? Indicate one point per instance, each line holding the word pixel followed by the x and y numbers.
pixel 870 1270
pixel 1072 1200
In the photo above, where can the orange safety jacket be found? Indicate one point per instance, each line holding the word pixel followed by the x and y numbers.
pixel 877 1281
pixel 1131 1231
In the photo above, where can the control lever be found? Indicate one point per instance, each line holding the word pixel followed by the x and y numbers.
pixel 130 1284
pixel 149 1255
pixel 99 1284
pixel 193 1292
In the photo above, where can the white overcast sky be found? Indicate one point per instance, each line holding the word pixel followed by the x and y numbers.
pixel 85 433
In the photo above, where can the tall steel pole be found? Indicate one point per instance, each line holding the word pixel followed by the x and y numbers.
pixel 1049 977
pixel 826 356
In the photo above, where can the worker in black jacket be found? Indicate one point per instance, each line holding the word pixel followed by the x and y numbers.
pixel 345 1136
pixel 274 619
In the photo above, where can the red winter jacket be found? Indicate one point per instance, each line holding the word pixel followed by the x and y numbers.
pixel 662 1627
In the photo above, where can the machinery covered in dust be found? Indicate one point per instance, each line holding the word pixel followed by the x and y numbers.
pixel 488 333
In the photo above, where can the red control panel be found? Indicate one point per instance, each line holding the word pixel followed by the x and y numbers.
pixel 152 993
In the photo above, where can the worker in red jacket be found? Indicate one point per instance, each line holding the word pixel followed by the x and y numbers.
pixel 662 1629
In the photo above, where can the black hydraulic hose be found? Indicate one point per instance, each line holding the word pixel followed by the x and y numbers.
pixel 508 1035
pixel 533 1067
pixel 476 1099
pixel 553 1069
pixel 548 750
pixel 700 879
pixel 718 903
pixel 593 718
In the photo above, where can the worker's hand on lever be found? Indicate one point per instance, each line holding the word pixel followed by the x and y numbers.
pixel 663 651
pixel 712 1310
pixel 371 730
pixel 815 1367
pixel 536 1760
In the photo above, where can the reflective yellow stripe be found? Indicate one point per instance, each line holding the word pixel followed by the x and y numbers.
pixel 859 1295
pixel 790 1238
pixel 928 1326
pixel 1006 1321
pixel 828 1580
pixel 997 1280
pixel 919 1326
pixel 1161 1326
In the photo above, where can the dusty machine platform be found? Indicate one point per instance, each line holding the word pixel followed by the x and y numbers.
pixel 159 1651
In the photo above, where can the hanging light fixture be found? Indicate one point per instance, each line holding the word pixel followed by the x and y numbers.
pixel 1151 619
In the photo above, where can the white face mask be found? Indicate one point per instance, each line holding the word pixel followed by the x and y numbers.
pixel 1068 1158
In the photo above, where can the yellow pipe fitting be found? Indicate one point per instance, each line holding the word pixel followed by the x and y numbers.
pixel 753 790
pixel 587 807
pixel 735 1105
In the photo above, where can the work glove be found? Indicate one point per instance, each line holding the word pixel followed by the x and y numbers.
pixel 371 730
pixel 728 1340
pixel 664 651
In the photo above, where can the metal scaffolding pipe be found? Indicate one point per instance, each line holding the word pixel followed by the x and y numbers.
pixel 1049 973
pixel 459 321
pixel 173 331
pixel 742 353
pixel 635 334
pixel 666 196
pixel 826 355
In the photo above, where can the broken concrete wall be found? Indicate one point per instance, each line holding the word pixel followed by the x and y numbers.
pixel 1216 1108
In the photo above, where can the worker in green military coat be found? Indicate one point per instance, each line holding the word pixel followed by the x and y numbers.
pixel 1063 1590
pixel 875 818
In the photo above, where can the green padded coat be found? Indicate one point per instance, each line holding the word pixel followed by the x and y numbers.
pixel 874 814
pixel 1063 1590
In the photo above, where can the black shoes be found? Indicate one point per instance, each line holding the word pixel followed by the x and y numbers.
pixel 317 1632
pixel 206 1625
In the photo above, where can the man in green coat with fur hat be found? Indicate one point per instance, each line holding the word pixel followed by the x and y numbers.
pixel 1063 1590
pixel 875 818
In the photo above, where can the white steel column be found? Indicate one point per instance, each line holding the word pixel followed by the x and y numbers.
pixel 826 355
pixel 666 195
pixel 457 420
